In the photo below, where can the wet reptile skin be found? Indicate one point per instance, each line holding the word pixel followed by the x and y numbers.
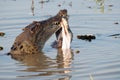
pixel 35 35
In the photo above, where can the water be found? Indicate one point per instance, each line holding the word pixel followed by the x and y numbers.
pixel 98 59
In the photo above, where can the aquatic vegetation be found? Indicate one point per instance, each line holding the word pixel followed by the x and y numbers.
pixel 115 35
pixel 77 51
pixel 116 23
pixel 1 48
pixel 87 37
pixel 2 33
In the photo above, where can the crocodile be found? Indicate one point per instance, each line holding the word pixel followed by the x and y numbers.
pixel 35 35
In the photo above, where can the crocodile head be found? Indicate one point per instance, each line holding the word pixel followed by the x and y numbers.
pixel 35 35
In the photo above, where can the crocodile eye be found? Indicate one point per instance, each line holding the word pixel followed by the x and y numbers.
pixel 56 23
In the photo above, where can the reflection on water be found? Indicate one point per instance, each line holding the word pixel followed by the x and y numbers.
pixel 100 5
pixel 32 8
pixel 65 56
pixel 39 62
pixel 43 1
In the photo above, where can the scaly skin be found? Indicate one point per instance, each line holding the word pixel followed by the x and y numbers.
pixel 35 35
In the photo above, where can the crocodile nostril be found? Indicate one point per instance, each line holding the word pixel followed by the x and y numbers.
pixel 13 48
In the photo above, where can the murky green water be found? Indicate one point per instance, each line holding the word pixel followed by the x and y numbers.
pixel 98 59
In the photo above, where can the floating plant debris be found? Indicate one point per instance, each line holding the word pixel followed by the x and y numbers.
pixel 115 35
pixel 89 7
pixel 43 1
pixel 116 23
pixel 59 5
pixel 2 33
pixel 77 51
pixel 110 5
pixel 87 37
pixel 1 48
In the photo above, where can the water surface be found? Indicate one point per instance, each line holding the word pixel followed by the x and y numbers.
pixel 98 59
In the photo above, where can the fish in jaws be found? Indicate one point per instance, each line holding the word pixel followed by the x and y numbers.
pixel 64 36
pixel 35 35
pixel 67 37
